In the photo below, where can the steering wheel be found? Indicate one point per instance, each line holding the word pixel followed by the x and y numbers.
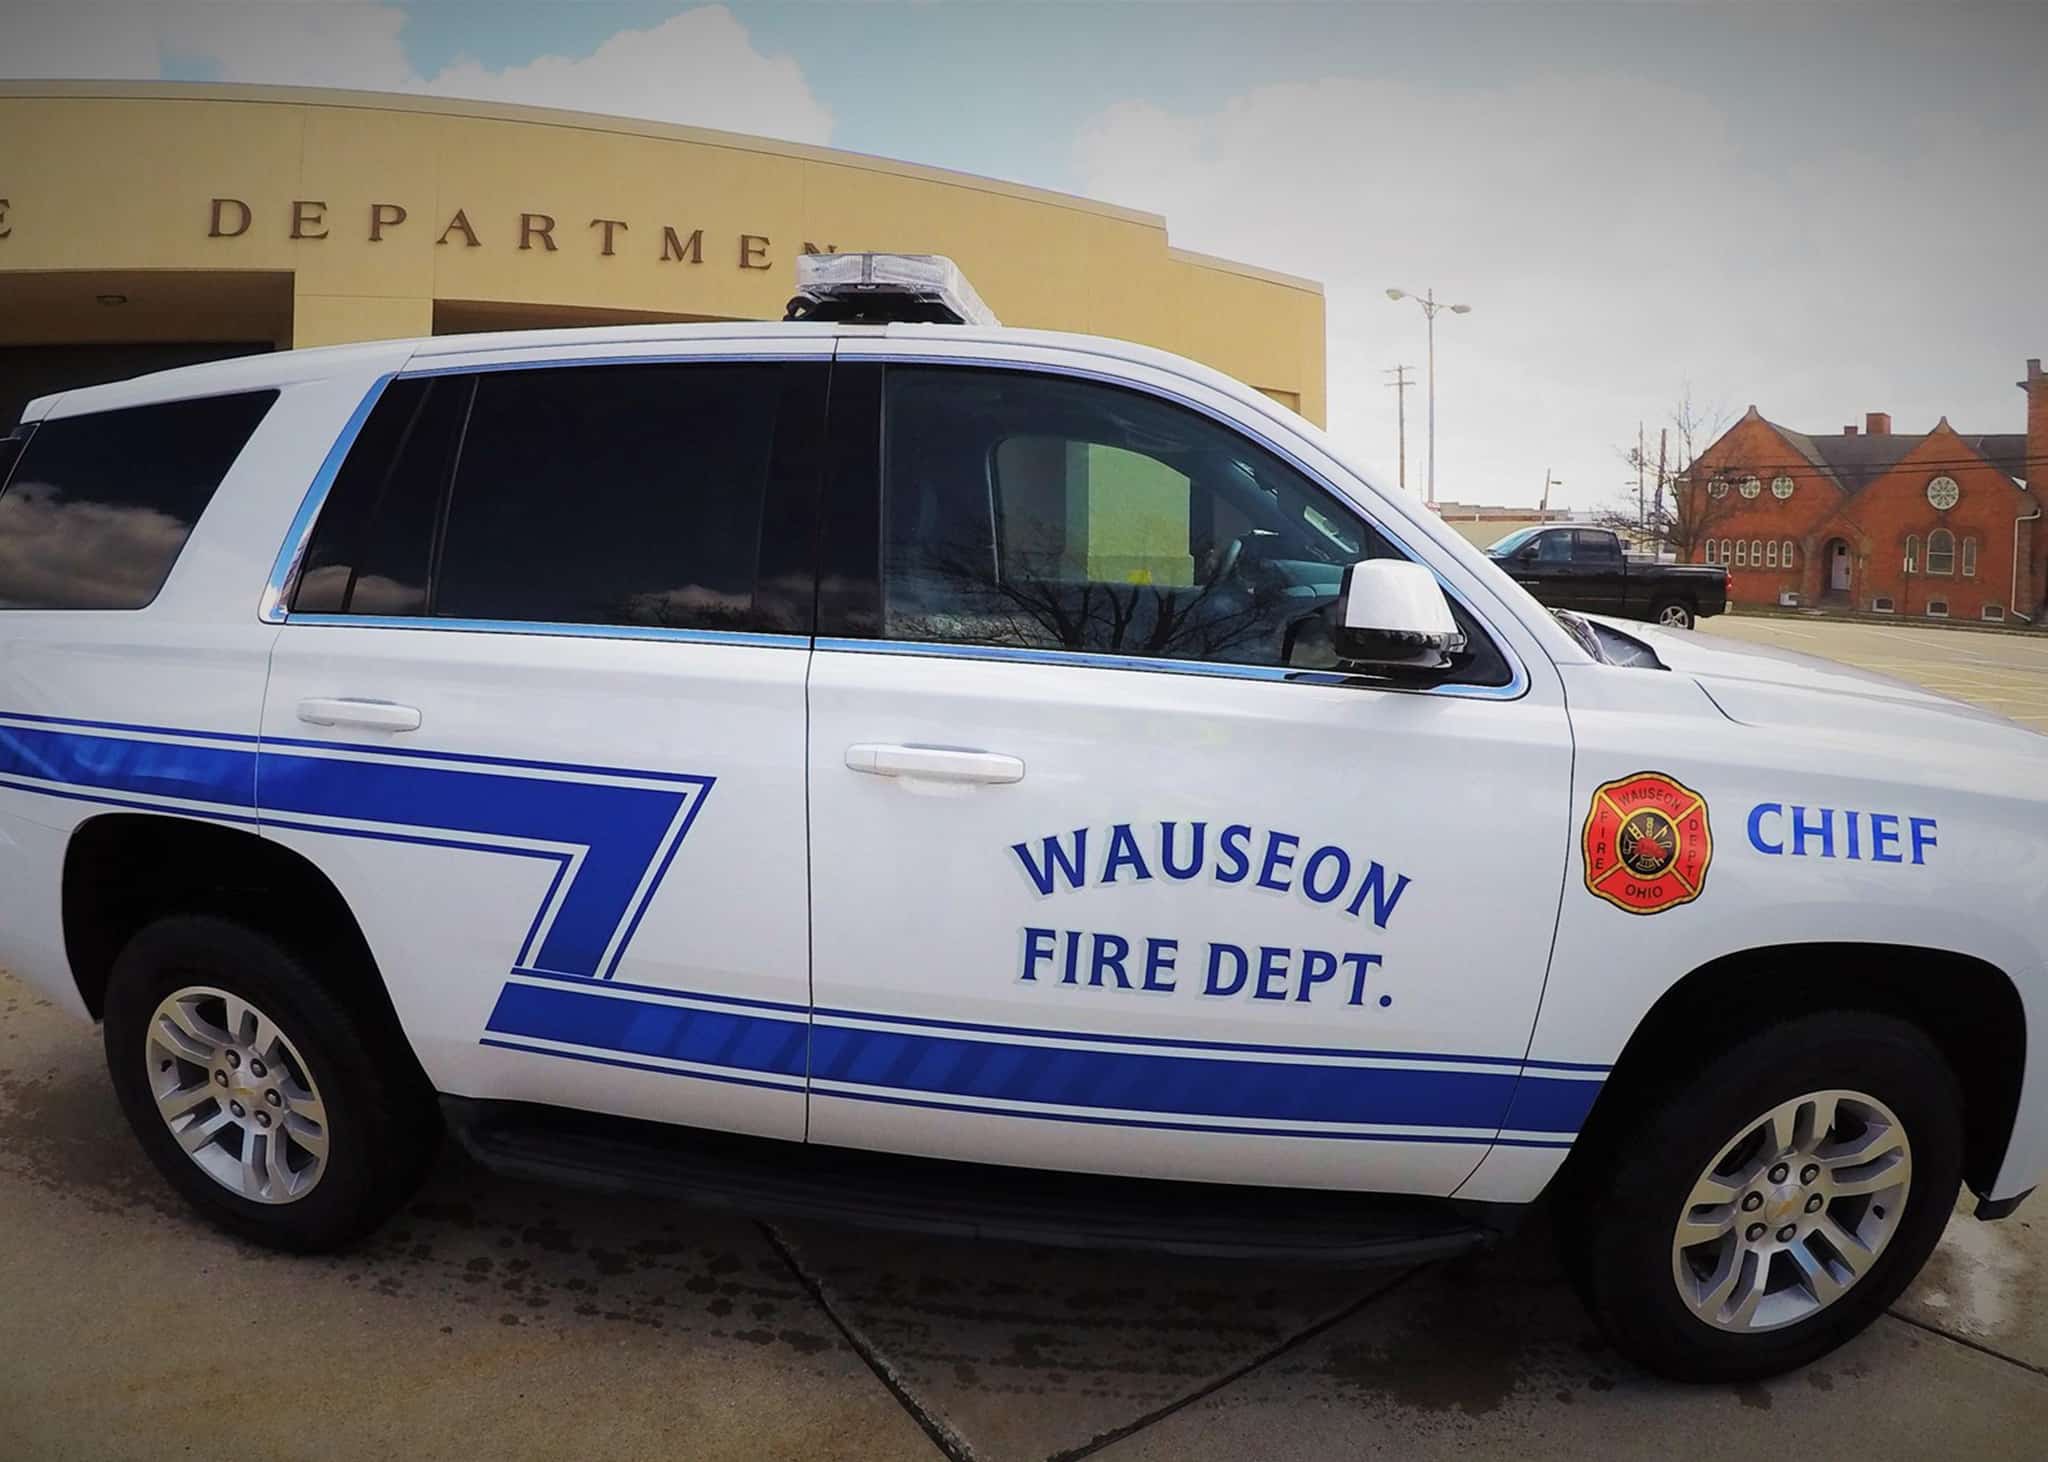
pixel 1233 557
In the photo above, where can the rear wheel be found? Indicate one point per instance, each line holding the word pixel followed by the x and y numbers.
pixel 275 1109
pixel 1757 1215
pixel 1673 613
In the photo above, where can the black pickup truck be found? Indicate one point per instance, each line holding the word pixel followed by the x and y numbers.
pixel 1567 566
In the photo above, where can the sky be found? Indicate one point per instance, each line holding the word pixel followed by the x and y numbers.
pixel 1821 208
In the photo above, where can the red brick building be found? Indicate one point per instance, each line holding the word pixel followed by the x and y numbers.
pixel 1941 524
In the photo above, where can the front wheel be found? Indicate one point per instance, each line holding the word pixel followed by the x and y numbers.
pixel 1754 1217
pixel 280 1112
pixel 1673 614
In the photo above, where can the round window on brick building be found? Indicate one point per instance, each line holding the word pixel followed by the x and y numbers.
pixel 1781 487
pixel 1750 487
pixel 1941 552
pixel 1717 487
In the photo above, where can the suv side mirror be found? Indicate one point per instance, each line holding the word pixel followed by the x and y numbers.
pixel 1392 613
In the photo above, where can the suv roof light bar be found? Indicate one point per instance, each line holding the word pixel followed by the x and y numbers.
pixel 883 289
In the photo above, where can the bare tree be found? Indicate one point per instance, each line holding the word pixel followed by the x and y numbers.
pixel 1684 510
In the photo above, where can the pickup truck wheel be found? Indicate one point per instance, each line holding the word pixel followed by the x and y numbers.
pixel 1761 1213
pixel 274 1109
pixel 1675 613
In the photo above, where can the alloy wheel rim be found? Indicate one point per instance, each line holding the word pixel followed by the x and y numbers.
pixel 1674 614
pixel 1793 1212
pixel 236 1095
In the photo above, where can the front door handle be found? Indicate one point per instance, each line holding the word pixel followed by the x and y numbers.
pixel 370 715
pixel 934 763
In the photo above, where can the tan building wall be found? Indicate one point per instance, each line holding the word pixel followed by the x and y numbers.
pixel 350 216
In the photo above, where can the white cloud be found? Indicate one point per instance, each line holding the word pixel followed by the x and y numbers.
pixel 698 67
pixel 1617 238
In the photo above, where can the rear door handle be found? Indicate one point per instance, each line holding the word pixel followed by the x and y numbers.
pixel 370 715
pixel 934 763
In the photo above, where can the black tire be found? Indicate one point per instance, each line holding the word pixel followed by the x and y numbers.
pixel 1658 611
pixel 383 1123
pixel 1617 1211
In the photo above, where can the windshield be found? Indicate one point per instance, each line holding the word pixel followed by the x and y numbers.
pixel 1513 541
pixel 1607 644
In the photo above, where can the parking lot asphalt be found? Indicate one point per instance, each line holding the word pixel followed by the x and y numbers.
pixel 506 1320
pixel 2005 672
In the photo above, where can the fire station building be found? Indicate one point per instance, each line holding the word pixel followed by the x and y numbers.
pixel 1940 524
pixel 155 224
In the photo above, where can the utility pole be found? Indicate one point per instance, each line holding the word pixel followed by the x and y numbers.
pixel 1663 439
pixel 1543 509
pixel 1399 386
pixel 1641 521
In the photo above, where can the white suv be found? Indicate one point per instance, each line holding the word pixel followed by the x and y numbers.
pixel 837 766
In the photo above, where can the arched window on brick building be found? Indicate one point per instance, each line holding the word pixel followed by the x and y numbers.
pixel 1789 554
pixel 1969 558
pixel 1912 553
pixel 1941 552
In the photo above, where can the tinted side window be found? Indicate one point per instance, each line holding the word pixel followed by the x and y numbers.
pixel 629 495
pixel 1042 512
pixel 100 506
pixel 373 546
pixel 1596 546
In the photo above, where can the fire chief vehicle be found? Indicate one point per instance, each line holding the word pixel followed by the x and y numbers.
pixel 884 765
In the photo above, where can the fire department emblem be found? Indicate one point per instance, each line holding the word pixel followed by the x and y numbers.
pixel 1647 843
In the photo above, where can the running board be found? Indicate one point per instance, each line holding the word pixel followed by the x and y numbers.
pixel 766 1177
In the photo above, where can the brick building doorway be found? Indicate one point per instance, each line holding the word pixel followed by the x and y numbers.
pixel 1835 558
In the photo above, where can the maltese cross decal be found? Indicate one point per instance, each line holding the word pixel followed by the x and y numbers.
pixel 1647 843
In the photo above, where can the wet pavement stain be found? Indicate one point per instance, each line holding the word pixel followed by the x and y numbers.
pixel 470 1239
pixel 1091 1340
pixel 61 1130
pixel 1469 1338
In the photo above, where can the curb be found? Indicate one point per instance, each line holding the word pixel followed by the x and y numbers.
pixel 1825 616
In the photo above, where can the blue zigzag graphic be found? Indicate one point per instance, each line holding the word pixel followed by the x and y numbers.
pixel 611 832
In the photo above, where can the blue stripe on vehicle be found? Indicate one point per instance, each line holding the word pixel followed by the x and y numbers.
pixel 1189 1085
pixel 718 1076
pixel 628 834
pixel 733 1039
pixel 828 1013
pixel 225 776
pixel 957 1071
pixel 1101 1119
pixel 744 1001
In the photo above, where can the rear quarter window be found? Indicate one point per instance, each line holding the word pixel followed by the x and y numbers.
pixel 99 506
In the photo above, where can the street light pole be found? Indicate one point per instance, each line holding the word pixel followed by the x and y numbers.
pixel 1430 305
pixel 1429 313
